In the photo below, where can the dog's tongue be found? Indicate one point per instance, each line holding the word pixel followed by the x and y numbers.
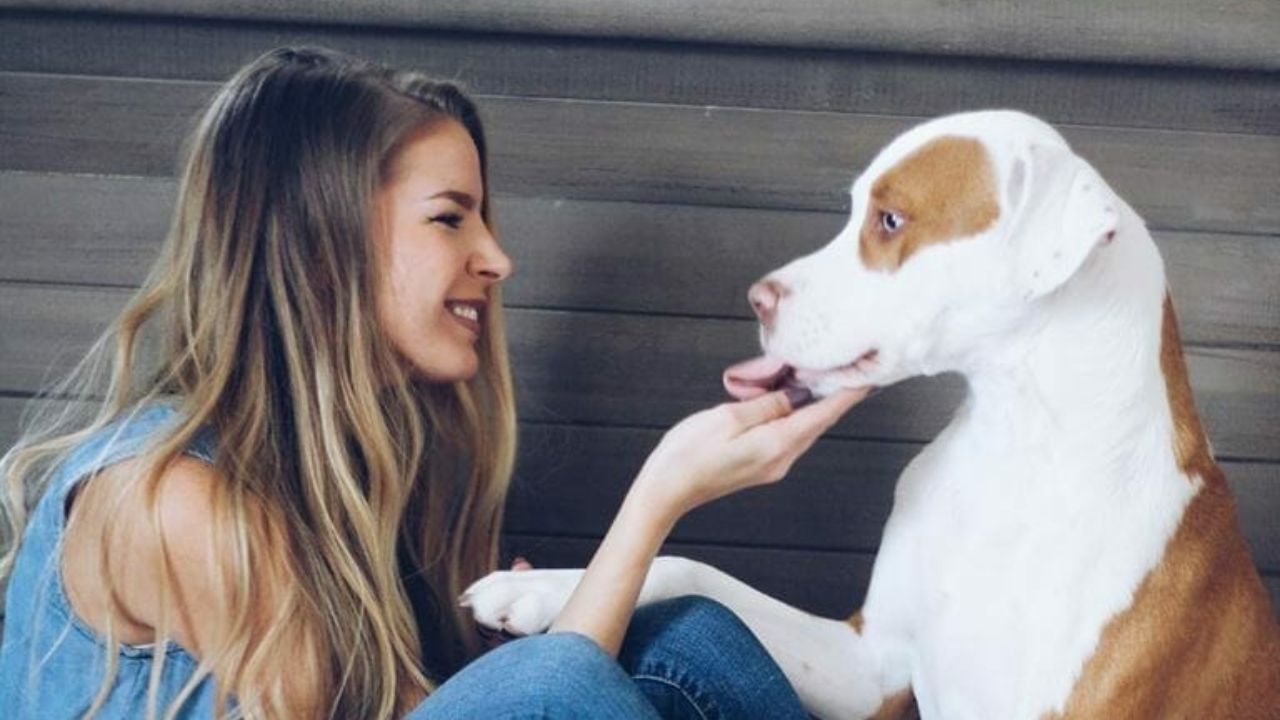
pixel 754 377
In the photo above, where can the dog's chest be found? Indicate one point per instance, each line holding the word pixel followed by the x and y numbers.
pixel 1020 563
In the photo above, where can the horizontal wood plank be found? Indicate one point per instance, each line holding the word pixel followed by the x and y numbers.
pixel 616 369
pixel 572 479
pixel 689 74
pixel 592 255
pixel 1230 33
pixel 1213 182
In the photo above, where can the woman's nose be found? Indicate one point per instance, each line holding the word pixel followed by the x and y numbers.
pixel 488 261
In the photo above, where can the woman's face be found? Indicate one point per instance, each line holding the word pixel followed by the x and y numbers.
pixel 437 258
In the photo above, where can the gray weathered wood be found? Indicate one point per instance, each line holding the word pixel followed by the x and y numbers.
pixel 689 74
pixel 82 229
pixel 619 369
pixel 1231 33
pixel 635 152
pixel 591 255
pixel 570 480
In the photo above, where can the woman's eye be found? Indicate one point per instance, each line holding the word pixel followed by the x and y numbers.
pixel 452 220
pixel 891 221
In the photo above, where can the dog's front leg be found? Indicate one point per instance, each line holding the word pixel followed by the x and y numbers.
pixel 838 671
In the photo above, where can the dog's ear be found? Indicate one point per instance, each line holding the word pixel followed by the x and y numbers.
pixel 1063 210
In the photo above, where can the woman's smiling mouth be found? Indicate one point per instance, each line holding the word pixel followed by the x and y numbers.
pixel 466 313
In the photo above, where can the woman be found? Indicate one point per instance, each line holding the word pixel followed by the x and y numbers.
pixel 274 514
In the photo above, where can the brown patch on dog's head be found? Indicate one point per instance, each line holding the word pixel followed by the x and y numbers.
pixel 944 190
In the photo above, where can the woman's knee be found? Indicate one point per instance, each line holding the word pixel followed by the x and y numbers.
pixel 692 619
pixel 551 665
pixel 556 675
pixel 693 652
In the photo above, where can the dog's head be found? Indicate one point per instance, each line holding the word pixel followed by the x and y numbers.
pixel 959 228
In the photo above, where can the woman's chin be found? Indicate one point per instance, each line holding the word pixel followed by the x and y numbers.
pixel 458 367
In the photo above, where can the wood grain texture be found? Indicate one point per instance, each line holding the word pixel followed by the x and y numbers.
pixel 1230 33
pixel 1212 182
pixel 596 255
pixel 638 370
pixel 649 71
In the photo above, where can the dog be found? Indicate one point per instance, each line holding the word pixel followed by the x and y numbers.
pixel 1067 546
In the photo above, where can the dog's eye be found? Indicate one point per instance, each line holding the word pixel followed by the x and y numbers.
pixel 891 221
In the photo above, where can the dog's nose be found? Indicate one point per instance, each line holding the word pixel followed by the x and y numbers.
pixel 764 297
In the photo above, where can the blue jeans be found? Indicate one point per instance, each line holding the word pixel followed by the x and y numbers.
pixel 689 657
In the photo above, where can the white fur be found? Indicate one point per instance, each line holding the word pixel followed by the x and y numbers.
pixel 1034 516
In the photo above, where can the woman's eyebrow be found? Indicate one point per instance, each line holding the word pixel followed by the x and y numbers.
pixel 466 200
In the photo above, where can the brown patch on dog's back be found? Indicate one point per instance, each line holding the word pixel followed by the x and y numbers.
pixel 944 190
pixel 856 622
pixel 898 706
pixel 1200 639
pixel 1189 442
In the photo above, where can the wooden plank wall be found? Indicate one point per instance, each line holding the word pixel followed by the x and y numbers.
pixel 648 165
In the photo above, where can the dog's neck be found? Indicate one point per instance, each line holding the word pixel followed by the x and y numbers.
pixel 1081 381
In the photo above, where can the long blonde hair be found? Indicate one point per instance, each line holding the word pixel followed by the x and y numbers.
pixel 369 490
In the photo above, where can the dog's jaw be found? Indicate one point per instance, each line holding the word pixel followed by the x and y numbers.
pixel 858 374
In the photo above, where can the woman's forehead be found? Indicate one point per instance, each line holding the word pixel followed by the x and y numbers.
pixel 436 158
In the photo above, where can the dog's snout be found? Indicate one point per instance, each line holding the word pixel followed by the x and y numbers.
pixel 765 296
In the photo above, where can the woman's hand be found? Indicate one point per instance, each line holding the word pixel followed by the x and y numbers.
pixel 706 456
pixel 733 446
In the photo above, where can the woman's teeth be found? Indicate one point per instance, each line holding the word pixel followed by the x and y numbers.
pixel 465 311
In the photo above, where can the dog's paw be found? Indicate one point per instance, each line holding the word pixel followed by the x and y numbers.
pixel 521 602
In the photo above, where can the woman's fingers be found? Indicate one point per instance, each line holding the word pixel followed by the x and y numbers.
pixel 813 420
pixel 750 413
pixel 789 437
pixel 737 445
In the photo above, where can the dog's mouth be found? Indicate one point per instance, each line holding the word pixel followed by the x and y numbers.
pixel 757 376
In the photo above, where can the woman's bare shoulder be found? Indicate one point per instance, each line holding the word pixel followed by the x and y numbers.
pixel 116 544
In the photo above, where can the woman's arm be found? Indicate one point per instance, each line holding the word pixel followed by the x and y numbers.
pixel 710 454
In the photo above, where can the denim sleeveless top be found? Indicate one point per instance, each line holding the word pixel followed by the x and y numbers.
pixel 52 664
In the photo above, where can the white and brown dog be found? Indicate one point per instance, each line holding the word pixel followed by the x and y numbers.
pixel 1067 546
